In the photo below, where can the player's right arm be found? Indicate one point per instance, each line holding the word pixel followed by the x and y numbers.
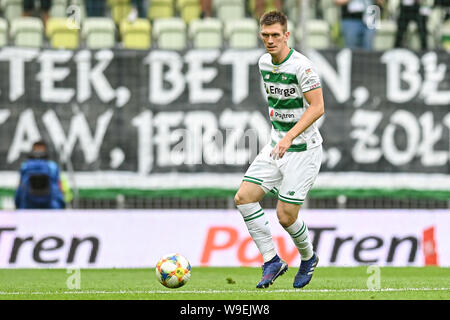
pixel 315 110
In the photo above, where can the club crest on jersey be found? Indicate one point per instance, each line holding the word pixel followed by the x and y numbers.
pixel 308 71
pixel 275 69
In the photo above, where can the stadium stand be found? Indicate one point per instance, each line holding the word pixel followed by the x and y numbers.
pixel 228 10
pixel 61 35
pixel 231 26
pixel 161 9
pixel 99 33
pixel 12 9
pixel 385 35
pixel 80 7
pixel 170 33
pixel 3 32
pixel 291 29
pixel 242 34
pixel 136 35
pixel 27 32
pixel 120 9
pixel 206 33
pixel 445 35
pixel 413 39
pixel 58 8
pixel 189 9
pixel 267 5
pixel 318 34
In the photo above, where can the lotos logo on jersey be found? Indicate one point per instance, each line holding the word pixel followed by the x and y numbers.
pixel 314 86
pixel 271 112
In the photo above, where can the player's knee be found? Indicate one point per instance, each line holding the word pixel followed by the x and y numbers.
pixel 239 199
pixel 285 220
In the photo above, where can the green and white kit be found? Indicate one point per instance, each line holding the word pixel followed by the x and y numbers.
pixel 293 175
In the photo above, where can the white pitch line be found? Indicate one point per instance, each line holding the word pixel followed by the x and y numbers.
pixel 224 291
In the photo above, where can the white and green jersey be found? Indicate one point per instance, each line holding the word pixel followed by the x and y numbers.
pixel 285 84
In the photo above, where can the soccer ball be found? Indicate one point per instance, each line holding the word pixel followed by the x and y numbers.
pixel 173 270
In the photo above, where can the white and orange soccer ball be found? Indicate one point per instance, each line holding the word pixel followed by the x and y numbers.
pixel 173 270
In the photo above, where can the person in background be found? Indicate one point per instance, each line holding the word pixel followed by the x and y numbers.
pixel 260 7
pixel 357 34
pixel 206 6
pixel 412 10
pixel 40 184
pixel 95 8
pixel 138 10
pixel 28 7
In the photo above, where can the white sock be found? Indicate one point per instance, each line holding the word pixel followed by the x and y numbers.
pixel 300 234
pixel 258 226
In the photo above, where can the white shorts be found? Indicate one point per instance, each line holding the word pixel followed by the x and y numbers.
pixel 291 177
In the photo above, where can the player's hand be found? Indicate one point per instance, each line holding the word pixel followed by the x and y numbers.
pixel 280 149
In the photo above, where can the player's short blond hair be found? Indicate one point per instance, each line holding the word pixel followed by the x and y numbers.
pixel 273 17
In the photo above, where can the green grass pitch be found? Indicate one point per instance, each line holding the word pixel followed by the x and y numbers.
pixel 226 284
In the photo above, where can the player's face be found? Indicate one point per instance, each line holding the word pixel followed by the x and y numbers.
pixel 274 38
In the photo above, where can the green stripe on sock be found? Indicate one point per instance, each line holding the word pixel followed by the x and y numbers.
pixel 301 231
pixel 250 215
pixel 246 220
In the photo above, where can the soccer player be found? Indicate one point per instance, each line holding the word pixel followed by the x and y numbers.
pixel 289 164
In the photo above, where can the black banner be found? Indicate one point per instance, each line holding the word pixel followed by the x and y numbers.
pixel 205 110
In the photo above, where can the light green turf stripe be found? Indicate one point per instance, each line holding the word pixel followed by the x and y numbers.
pixel 246 220
pixel 250 215
pixel 253 178
pixel 253 181
pixel 276 103
pixel 284 78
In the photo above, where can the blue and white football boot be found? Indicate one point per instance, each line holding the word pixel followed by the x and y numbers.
pixel 305 272
pixel 272 270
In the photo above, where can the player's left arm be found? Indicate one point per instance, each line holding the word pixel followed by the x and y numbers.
pixel 315 110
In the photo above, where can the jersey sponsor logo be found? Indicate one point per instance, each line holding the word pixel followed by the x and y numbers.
pixel 308 71
pixel 284 92
pixel 281 116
